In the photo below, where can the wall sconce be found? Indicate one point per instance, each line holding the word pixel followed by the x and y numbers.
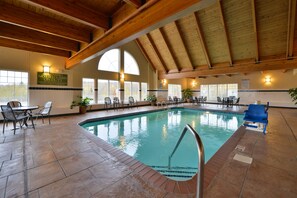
pixel 46 69
pixel 267 80
pixel 122 76
pixel 164 82
pixel 194 83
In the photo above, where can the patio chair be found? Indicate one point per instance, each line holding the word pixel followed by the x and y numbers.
pixel 170 101
pixel 9 115
pixel 219 100
pixel 132 102
pixel 116 102
pixel 45 111
pixel 256 114
pixel 107 103
pixel 15 103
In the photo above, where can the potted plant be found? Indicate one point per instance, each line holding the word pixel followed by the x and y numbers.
pixel 187 94
pixel 293 94
pixel 83 103
pixel 152 99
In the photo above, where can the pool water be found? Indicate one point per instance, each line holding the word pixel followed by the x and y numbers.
pixel 151 137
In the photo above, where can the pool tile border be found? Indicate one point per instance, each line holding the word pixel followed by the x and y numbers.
pixel 160 181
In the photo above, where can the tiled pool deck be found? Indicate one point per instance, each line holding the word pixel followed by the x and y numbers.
pixel 62 160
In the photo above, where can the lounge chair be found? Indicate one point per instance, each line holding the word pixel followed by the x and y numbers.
pixel 45 112
pixel 116 102
pixel 256 114
pixel 107 103
pixel 132 102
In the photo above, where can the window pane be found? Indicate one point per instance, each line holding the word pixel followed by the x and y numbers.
pixel 128 91
pixel 143 91
pixel 130 64
pixel 102 90
pixel 204 90
pixel 222 90
pixel 113 89
pixel 174 90
pixel 135 90
pixel 233 90
pixel 212 92
pixel 13 86
pixel 88 88
pixel 110 61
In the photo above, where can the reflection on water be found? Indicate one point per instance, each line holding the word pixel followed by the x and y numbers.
pixel 151 137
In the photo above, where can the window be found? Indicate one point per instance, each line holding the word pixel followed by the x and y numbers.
pixel 110 61
pixel 13 86
pixel 130 64
pixel 174 90
pixel 143 91
pixel 88 88
pixel 220 90
pixel 131 89
pixel 107 88
pixel 127 88
pixel 135 90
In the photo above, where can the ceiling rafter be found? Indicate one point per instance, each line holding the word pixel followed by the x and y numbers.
pixel 238 68
pixel 163 36
pixel 26 18
pixel 183 44
pixel 291 28
pixel 32 47
pixel 145 54
pixel 255 31
pixel 152 43
pixel 135 3
pixel 154 15
pixel 202 40
pixel 36 37
pixel 76 12
pixel 225 32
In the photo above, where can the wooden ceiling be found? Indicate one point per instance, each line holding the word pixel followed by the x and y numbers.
pixel 189 38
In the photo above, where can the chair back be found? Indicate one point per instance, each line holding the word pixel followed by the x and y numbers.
pixel 256 110
pixel 219 99
pixel 169 98
pixel 14 103
pixel 47 108
pixel 107 100
pixel 116 100
pixel 7 112
pixel 131 100
pixel 237 100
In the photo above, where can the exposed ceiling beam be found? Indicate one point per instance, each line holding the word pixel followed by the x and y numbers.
pixel 225 32
pixel 202 41
pixel 135 3
pixel 255 31
pixel 145 55
pixel 152 43
pixel 36 37
pixel 236 69
pixel 32 47
pixel 163 36
pixel 291 28
pixel 179 34
pixel 76 12
pixel 26 18
pixel 152 15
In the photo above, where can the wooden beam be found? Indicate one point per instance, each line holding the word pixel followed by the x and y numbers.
pixel 163 36
pixel 31 36
pixel 202 41
pixel 291 28
pixel 29 19
pixel 76 12
pixel 135 3
pixel 236 69
pixel 152 43
pixel 146 55
pixel 32 47
pixel 225 32
pixel 183 44
pixel 152 15
pixel 255 31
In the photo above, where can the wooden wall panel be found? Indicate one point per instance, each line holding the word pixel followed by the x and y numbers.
pixel 214 34
pixel 272 21
pixel 192 41
pixel 295 37
pixel 238 19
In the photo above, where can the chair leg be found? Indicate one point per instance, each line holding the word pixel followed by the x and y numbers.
pixel 33 123
pixel 14 127
pixel 49 119
pixel 42 119
pixel 4 122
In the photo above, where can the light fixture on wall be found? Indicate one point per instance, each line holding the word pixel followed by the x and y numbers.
pixel 122 76
pixel 164 82
pixel 46 69
pixel 267 80
pixel 194 83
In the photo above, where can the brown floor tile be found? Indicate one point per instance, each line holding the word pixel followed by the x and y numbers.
pixel 219 188
pixel 11 167
pixel 2 186
pixel 16 185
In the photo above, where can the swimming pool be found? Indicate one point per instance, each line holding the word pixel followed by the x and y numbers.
pixel 151 137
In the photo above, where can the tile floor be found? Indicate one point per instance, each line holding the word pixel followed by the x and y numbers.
pixel 62 160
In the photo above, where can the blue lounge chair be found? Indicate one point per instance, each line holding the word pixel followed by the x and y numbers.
pixel 256 114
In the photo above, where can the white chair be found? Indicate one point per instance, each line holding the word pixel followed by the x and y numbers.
pixel 45 111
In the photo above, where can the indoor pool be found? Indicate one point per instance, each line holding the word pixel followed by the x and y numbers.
pixel 151 137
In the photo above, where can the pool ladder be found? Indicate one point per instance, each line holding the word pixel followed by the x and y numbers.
pixel 200 148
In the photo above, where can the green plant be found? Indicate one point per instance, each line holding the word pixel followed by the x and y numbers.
pixel 293 94
pixel 187 93
pixel 151 98
pixel 81 102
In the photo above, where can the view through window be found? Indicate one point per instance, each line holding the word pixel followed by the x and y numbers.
pixel 174 90
pixel 218 90
pixel 107 88
pixel 88 88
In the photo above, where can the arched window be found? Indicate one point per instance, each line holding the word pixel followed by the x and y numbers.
pixel 110 61
pixel 130 64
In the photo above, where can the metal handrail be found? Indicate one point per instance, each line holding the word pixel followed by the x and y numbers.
pixel 200 148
